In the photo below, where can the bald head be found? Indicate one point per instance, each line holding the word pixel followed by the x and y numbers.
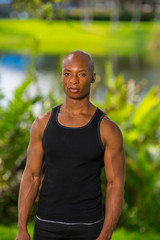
pixel 81 57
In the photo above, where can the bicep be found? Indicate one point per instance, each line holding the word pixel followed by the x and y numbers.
pixel 114 165
pixel 35 152
pixel 114 158
pixel 35 158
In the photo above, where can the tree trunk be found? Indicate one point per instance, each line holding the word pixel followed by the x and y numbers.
pixel 87 11
pixel 114 19
pixel 136 17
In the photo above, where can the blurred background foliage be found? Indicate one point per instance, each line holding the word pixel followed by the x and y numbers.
pixel 37 34
pixel 139 120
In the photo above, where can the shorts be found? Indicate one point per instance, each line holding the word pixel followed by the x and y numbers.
pixel 62 231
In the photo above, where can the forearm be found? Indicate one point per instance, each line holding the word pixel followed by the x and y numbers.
pixel 113 207
pixel 28 191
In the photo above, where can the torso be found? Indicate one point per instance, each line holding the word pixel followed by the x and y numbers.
pixel 73 155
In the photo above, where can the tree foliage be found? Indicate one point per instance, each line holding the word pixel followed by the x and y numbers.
pixel 138 116
pixel 40 8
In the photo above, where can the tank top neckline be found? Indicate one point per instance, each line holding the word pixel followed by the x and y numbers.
pixel 72 128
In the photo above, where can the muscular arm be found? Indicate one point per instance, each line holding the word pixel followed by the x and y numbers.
pixel 114 163
pixel 30 180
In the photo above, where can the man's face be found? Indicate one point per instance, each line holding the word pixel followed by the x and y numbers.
pixel 76 76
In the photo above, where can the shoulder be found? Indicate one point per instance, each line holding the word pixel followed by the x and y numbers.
pixel 108 125
pixel 40 123
pixel 110 132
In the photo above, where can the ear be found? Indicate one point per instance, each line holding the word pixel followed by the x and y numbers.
pixel 93 78
pixel 61 77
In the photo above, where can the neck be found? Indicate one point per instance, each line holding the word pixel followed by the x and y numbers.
pixel 76 106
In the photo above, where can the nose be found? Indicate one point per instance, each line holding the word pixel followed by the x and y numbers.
pixel 74 79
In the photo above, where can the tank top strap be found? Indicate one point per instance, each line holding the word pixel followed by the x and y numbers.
pixel 98 117
pixel 55 112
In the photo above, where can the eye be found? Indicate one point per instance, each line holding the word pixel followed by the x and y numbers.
pixel 67 74
pixel 82 74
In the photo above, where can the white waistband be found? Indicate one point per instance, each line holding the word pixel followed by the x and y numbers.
pixel 69 223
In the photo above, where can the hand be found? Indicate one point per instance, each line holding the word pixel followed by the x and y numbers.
pixel 22 235
pixel 104 237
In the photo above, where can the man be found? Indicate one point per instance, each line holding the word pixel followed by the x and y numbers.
pixel 75 140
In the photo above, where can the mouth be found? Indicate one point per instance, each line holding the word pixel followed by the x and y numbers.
pixel 74 90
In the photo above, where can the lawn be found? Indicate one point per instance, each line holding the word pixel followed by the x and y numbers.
pixel 9 233
pixel 99 38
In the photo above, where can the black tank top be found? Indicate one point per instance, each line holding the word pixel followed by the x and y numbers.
pixel 71 188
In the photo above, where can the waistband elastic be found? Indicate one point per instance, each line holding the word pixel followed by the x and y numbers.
pixel 49 221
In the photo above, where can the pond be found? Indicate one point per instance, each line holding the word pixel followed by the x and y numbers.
pixel 13 68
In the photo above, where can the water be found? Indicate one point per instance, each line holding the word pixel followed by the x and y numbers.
pixel 13 69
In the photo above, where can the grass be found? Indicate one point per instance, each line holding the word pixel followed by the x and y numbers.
pixel 9 233
pixel 58 37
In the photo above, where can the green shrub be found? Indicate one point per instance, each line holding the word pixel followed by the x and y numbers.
pixel 139 119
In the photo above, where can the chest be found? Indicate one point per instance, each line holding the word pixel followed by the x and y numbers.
pixel 63 144
pixel 73 121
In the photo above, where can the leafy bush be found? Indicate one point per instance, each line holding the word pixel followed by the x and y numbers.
pixel 16 119
pixel 139 119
